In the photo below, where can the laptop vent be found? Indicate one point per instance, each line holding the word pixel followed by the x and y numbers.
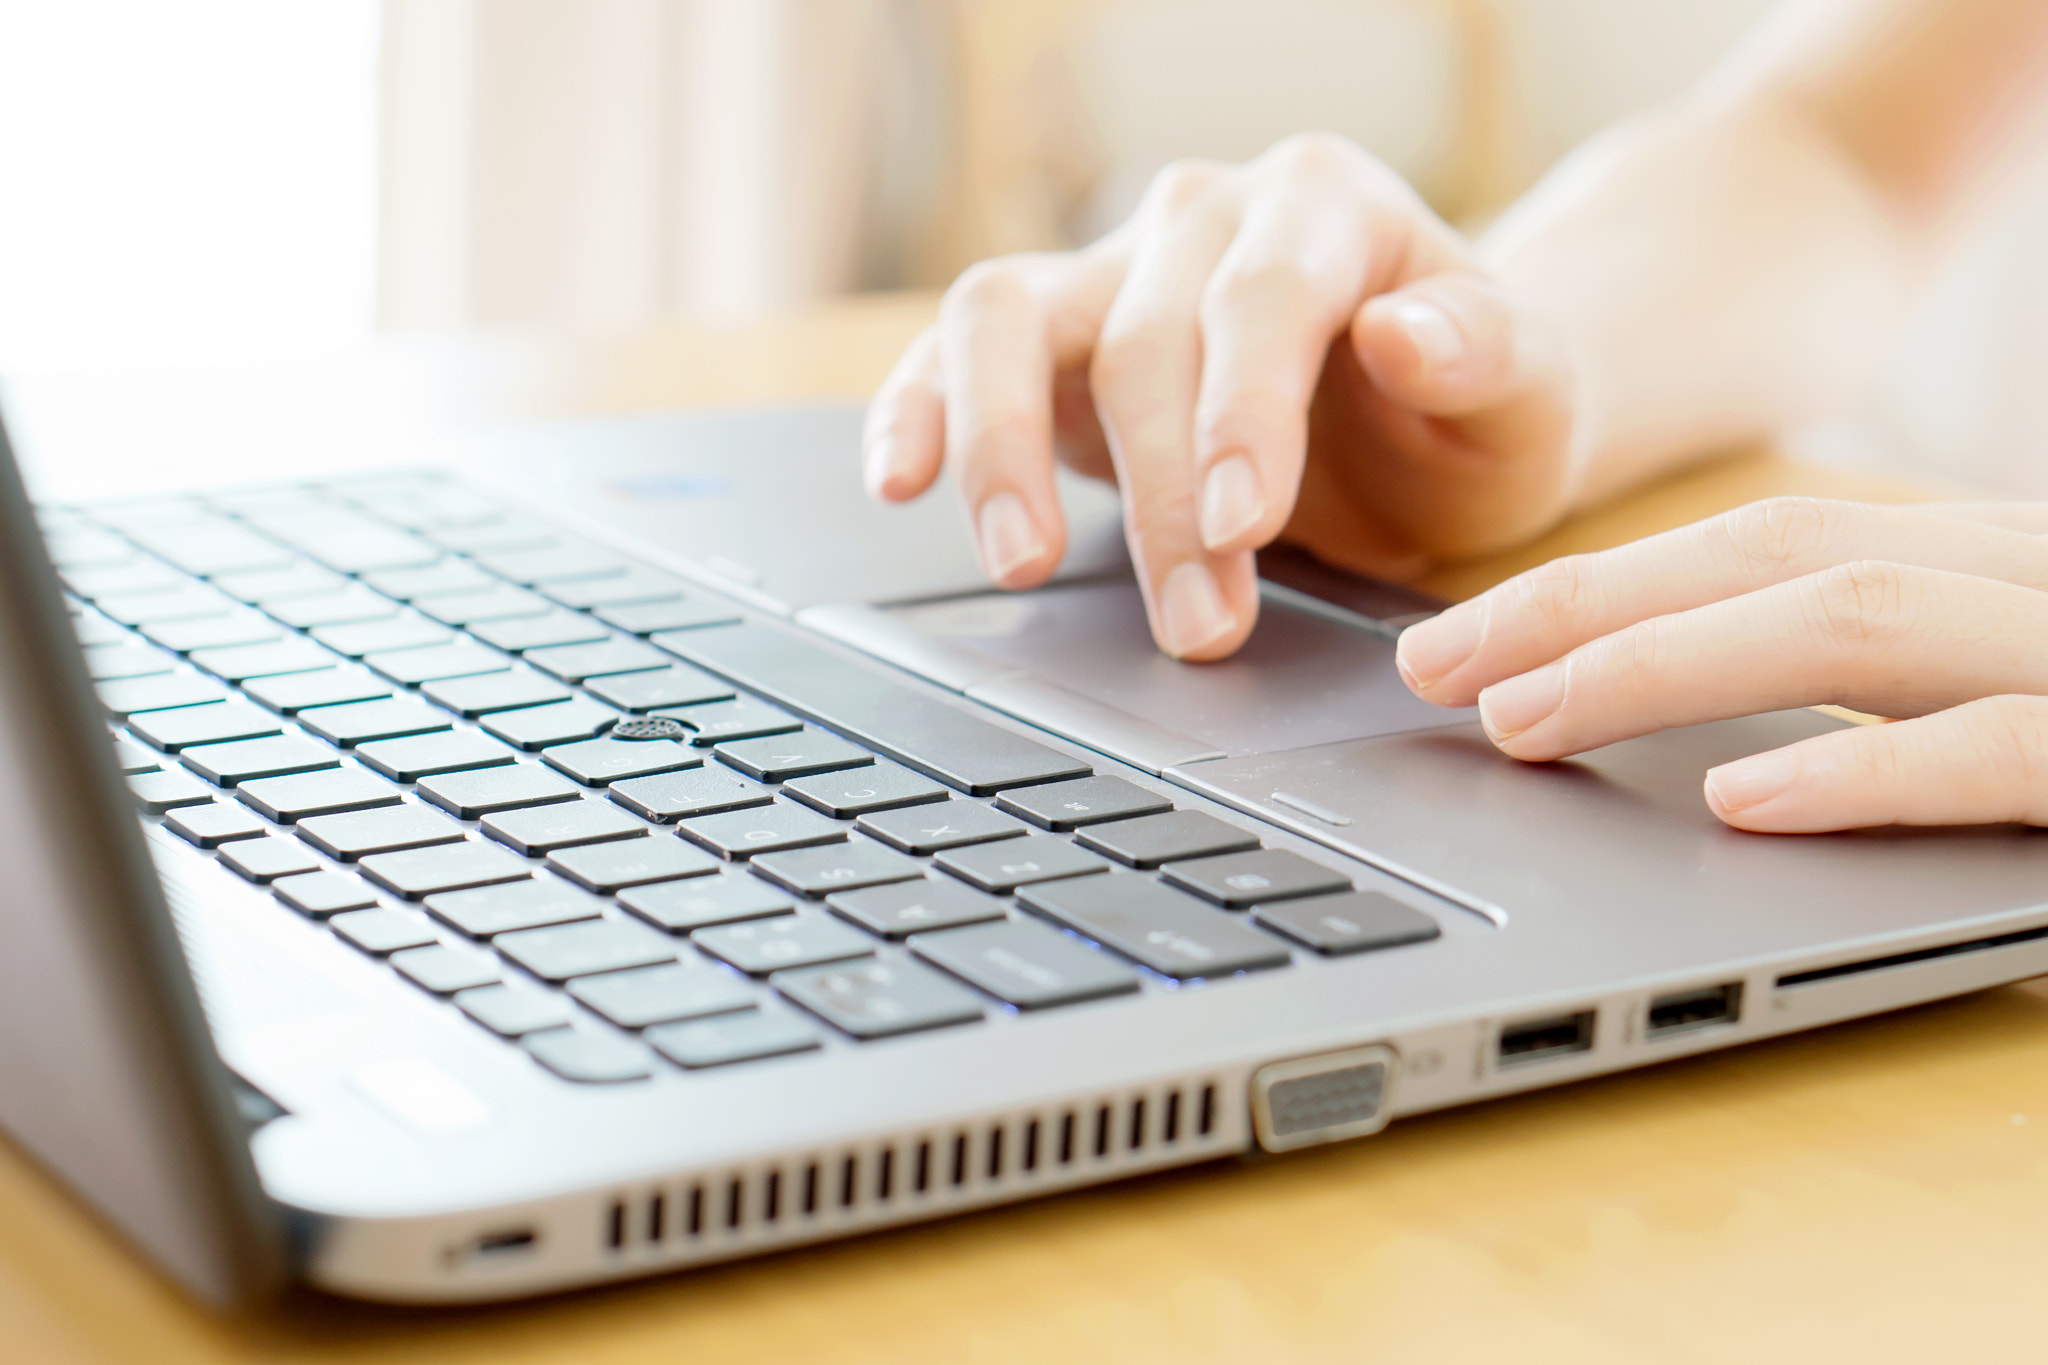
pixel 707 1216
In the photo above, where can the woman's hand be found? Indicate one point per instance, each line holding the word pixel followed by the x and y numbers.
pixel 1296 347
pixel 1936 612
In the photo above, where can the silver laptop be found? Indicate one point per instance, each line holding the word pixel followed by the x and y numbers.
pixel 650 854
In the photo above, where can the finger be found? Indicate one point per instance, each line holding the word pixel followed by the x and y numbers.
pixel 2031 517
pixel 1884 639
pixel 1453 345
pixel 903 440
pixel 1980 763
pixel 1540 615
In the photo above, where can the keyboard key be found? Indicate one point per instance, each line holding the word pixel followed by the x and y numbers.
pixel 538 727
pixel 1070 805
pixel 431 663
pixel 777 758
pixel 445 968
pixel 507 531
pixel 361 722
pixel 294 692
pixel 290 799
pixel 112 663
pixel 374 637
pixel 607 867
pixel 574 663
pixel 836 867
pixel 133 696
pixel 323 893
pixel 418 756
pixel 513 1009
pixel 120 580
pixel 490 790
pixel 768 829
pixel 268 858
pixel 672 686
pixel 1172 933
pixel 1352 923
pixel 346 606
pixel 91 628
pixel 175 604
pixel 741 718
pixel 212 632
pixel 239 663
pixel 421 872
pixel 1154 839
pixel 758 947
pixel 430 580
pixel 557 563
pixel 214 723
pixel 634 585
pixel 881 786
pixel 599 762
pixel 349 543
pixel 539 632
pixel 1029 965
pixel 301 578
pixel 649 618
pixel 583 1055
pixel 87 548
pixel 732 1038
pixel 563 951
pixel 901 909
pixel 497 603
pixel 930 829
pixel 530 904
pixel 213 546
pixel 384 930
pixel 214 824
pixel 881 999
pixel 1005 866
pixel 541 830
pixel 1236 880
pixel 387 830
pixel 485 693
pixel 677 796
pixel 663 993
pixel 680 907
pixel 165 791
pixel 226 765
pixel 133 758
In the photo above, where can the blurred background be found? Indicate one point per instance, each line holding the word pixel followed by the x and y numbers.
pixel 213 180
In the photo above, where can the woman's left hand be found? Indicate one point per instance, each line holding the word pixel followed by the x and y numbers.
pixel 1938 613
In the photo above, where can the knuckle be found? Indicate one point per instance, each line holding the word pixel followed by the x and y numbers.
pixel 1253 286
pixel 2008 736
pixel 992 283
pixel 1181 184
pixel 1314 154
pixel 1779 535
pixel 1860 602
pixel 1134 351
pixel 1000 434
pixel 1558 592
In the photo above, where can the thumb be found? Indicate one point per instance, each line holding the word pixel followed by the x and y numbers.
pixel 1453 345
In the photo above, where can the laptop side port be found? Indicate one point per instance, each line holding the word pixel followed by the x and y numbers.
pixel 1537 1040
pixel 1685 1011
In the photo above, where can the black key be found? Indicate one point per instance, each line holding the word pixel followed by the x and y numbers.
pixel 112 663
pixel 521 905
pixel 364 721
pixel 294 692
pixel 445 968
pixel 648 618
pixel 904 908
pixel 374 637
pixel 1353 923
pixel 882 786
pixel 513 1009
pixel 1240 879
pixel 1151 840
pixel 483 694
pixel 239 663
pixel 1090 801
pixel 663 993
pixel 600 945
pixel 211 825
pixel 491 790
pixel 1026 964
pixel 133 758
pixel 678 796
pixel 727 898
pixel 540 632
pixel 1005 866
pixel 214 723
pixel 418 756
pixel 1172 933
pixel 930 829
pixel 741 718
pixel 540 830
pixel 166 791
pixel 421 872
pixel 431 663
pixel 133 696
pixel 660 687
pixel 881 999
pixel 634 585
pixel 936 737
pixel 211 632
pixel 429 580
pixel 732 1038
pixel 836 867
pixel 499 603
pixel 340 608
pixel 301 578
pixel 557 563
pixel 767 829
pixel 268 858
pixel 574 663
pixel 175 604
pixel 387 830
pixel 226 765
pixel 588 1057
pixel 290 799
pixel 323 893
pixel 609 867
pixel 600 762
pixel 537 727
pixel 805 939
pixel 777 758
pixel 383 930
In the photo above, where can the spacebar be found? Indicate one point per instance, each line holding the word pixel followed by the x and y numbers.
pixel 926 733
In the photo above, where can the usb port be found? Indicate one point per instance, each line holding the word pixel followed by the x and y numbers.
pixel 1537 1039
pixel 1685 1011
pixel 502 1243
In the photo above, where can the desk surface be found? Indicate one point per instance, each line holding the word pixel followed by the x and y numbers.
pixel 1871 1192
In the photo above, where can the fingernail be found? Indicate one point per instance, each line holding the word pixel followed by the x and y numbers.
pixel 1436 336
pixel 1750 782
pixel 1510 707
pixel 1429 651
pixel 1231 501
pixel 875 469
pixel 1009 540
pixel 1192 612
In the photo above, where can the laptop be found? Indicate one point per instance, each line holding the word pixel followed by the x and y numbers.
pixel 627 849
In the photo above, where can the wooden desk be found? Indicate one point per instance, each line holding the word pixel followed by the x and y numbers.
pixel 1873 1192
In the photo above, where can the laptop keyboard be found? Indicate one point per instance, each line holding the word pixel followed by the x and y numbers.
pixel 614 822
